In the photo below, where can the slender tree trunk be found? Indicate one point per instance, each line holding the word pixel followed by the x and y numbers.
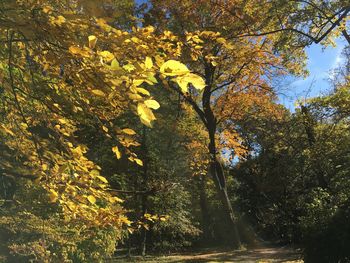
pixel 215 168
pixel 217 173
pixel 144 197
pixel 203 201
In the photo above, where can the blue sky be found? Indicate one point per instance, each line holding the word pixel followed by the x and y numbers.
pixel 321 62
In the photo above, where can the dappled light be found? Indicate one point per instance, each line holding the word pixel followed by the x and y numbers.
pixel 154 131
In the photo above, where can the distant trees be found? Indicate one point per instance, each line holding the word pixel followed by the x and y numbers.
pixel 296 184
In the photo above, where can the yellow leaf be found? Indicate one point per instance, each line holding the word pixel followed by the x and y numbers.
pixel 94 173
pixel 63 121
pixel 106 55
pixel 44 167
pixel 78 51
pixel 92 41
pixel 151 79
pixel 138 161
pixel 129 131
pixel 58 20
pixel 105 128
pixel 135 97
pixel 129 67
pixel 74 50
pixel 153 104
pixel 114 199
pixel 53 196
pixel 47 9
pixel 98 92
pixel 147 215
pixel 173 68
pixel 221 40
pixel 91 199
pixel 143 91
pixel 148 63
pixel 194 79
pixel 125 220
pixel 7 130
pixel 37 180
pixel 146 115
pixel 102 179
pixel 115 149
pixel 197 81
pixel 137 82
pixel 117 199
pixel 115 65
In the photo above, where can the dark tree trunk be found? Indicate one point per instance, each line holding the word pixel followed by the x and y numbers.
pixel 215 168
pixel 203 202
pixel 144 198
pixel 310 132
pixel 217 174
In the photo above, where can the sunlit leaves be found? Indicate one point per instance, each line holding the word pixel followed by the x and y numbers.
pixel 184 77
pixel 129 131
pixel 92 41
pixel 146 114
pixel 91 199
pixel 139 162
pixel 148 63
pixel 115 149
pixel 89 78
pixel 153 104
pixel 173 68
pixel 143 91
pixel 103 179
pixel 115 65
pixel 53 195
pixel 190 78
pixel 106 55
pixel 84 52
pixel 58 21
pixel 98 92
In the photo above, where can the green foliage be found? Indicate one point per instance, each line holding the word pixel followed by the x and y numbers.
pixel 328 241
pixel 34 231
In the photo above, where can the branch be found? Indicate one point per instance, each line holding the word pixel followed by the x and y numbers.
pixel 189 100
pixel 316 39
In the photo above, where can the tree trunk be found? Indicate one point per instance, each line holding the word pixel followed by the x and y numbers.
pixel 215 168
pixel 309 124
pixel 203 202
pixel 144 197
pixel 217 173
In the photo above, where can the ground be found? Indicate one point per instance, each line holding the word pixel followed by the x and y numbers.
pixel 260 255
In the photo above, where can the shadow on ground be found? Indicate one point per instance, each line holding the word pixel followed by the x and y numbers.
pixel 261 255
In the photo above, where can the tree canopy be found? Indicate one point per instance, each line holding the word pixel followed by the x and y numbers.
pixel 158 126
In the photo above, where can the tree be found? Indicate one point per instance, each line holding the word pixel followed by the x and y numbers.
pixel 54 86
pixel 236 73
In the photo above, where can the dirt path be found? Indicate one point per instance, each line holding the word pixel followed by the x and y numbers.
pixel 260 255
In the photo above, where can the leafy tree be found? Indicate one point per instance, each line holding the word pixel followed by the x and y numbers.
pixel 53 86
pixel 237 73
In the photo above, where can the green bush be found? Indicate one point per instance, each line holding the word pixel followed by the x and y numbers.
pixel 32 230
pixel 329 242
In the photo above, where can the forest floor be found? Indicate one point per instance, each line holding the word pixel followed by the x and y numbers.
pixel 259 255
